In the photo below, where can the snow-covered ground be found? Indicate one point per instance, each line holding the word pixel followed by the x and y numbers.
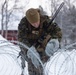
pixel 9 63
pixel 61 63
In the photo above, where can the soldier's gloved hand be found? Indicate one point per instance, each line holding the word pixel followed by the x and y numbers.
pixel 45 41
pixel 33 55
pixel 52 47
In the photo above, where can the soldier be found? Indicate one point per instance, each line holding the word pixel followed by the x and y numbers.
pixel 30 29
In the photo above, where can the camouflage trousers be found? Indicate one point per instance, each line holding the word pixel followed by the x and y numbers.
pixel 34 71
pixel 31 68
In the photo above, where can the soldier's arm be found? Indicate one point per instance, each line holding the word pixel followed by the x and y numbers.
pixel 21 30
pixel 23 33
pixel 55 31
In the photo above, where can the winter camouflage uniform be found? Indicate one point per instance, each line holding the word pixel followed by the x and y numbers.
pixel 26 36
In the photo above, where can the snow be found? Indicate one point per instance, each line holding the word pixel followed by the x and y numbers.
pixel 63 62
pixel 9 63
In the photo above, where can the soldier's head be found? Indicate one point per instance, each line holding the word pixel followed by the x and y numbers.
pixel 33 17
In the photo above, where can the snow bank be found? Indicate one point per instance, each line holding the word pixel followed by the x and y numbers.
pixel 1 38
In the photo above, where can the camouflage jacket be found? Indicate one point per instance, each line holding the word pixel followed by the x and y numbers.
pixel 25 29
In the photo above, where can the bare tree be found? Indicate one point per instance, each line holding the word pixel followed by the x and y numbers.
pixel 2 15
pixel 8 13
